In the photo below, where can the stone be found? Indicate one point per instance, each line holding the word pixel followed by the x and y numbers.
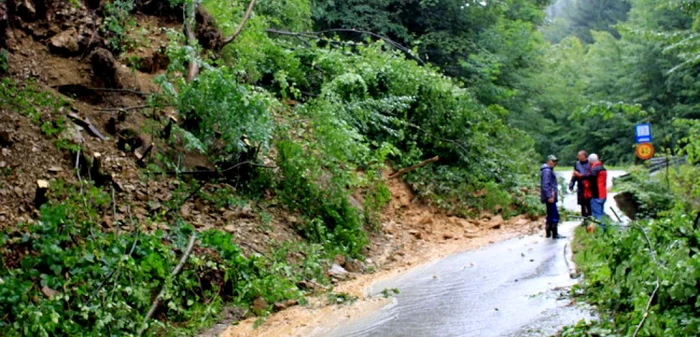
pixel 65 42
pixel 229 215
pixel 185 211
pixel 18 190
pixel 55 169
pixel 3 164
pixel 141 196
pixel 5 152
pixel 337 271
pixel 199 205
pixel 340 259
pixel 259 304
pixel 48 292
pixel 352 266
pixel 230 228
pixel 246 212
pixel 284 305
pixel 417 234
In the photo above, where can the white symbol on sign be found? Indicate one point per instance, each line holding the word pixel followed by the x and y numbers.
pixel 643 130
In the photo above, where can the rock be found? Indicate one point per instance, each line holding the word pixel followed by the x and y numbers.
pixel 199 205
pixel 65 42
pixel 18 190
pixel 3 164
pixel 292 219
pixel 337 271
pixel 5 139
pixel 417 234
pixel 246 212
pixel 230 228
pixel 154 206
pixel 55 169
pixel 141 196
pixel 284 305
pixel 5 152
pixel 340 260
pixel 355 203
pixel 229 215
pixel 48 292
pixel 185 211
pixel 352 266
pixel 259 304
pixel 521 223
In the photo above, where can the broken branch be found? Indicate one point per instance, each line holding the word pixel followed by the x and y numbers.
pixel 85 123
pixel 174 273
pixel 413 167
pixel 42 186
pixel 239 29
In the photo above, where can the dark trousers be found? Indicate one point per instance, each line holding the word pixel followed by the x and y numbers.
pixel 552 213
pixel 552 220
pixel 586 208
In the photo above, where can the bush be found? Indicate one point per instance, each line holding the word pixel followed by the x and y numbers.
pixel 621 269
pixel 65 276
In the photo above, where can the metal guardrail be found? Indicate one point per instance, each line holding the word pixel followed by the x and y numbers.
pixel 657 164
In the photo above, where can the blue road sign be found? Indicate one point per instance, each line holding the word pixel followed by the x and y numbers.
pixel 642 133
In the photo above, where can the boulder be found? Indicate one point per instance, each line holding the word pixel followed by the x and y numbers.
pixel 337 271
pixel 65 42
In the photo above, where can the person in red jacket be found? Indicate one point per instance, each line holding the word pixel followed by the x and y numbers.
pixel 598 178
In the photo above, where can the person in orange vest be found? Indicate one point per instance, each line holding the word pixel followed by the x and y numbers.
pixel 598 178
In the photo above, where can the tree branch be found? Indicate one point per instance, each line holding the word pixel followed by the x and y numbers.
pixel 174 273
pixel 389 41
pixel 413 167
pixel 193 67
pixel 239 29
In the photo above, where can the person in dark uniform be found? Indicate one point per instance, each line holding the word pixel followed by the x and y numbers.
pixel 548 195
pixel 583 188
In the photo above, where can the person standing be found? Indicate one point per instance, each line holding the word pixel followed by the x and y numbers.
pixel 583 189
pixel 548 195
pixel 598 178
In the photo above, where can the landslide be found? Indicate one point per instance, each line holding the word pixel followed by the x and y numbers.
pixel 72 99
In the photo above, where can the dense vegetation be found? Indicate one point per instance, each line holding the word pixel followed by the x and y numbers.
pixel 306 105
pixel 625 62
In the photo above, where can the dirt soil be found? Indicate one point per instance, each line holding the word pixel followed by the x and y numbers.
pixel 72 62
pixel 413 234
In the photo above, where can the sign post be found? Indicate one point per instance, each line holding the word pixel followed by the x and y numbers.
pixel 642 135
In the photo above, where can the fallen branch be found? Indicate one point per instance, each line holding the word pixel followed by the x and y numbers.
pixel 389 41
pixel 193 67
pixel 85 123
pixel 173 274
pixel 646 311
pixel 652 253
pixel 127 108
pixel 239 29
pixel 413 167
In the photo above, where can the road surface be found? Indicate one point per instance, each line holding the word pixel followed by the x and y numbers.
pixel 513 288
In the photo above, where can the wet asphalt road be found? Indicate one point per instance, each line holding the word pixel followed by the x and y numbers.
pixel 513 288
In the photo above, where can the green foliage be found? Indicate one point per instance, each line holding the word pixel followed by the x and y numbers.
pixel 650 195
pixel 64 275
pixel 620 272
pixel 322 198
pixel 117 24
